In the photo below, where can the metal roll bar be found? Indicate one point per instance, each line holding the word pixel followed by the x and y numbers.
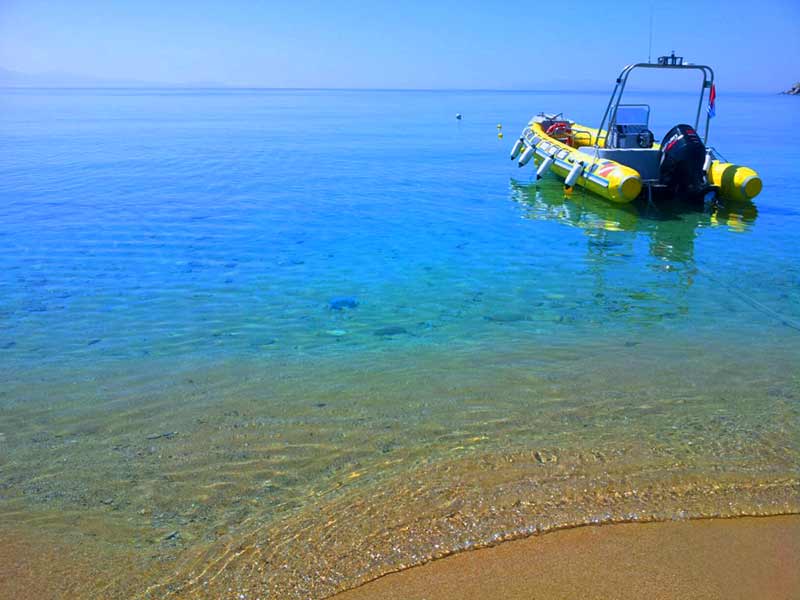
pixel 622 80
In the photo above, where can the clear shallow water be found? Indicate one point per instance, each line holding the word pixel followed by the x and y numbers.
pixel 168 262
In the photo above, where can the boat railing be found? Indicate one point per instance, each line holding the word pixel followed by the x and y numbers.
pixel 610 114
pixel 716 154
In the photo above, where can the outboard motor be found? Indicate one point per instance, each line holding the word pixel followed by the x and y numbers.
pixel 682 157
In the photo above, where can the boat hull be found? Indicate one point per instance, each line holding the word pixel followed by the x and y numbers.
pixel 613 180
pixel 606 178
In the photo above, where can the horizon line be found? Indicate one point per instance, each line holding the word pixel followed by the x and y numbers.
pixel 177 87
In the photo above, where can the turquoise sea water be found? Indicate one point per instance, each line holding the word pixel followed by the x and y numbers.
pixel 172 362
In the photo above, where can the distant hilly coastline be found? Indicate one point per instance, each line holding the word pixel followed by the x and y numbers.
pixel 56 79
pixel 794 90
pixel 9 78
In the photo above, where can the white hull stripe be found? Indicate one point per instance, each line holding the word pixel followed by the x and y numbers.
pixel 543 149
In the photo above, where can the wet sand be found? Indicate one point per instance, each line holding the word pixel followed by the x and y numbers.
pixel 714 558
pixel 746 557
pixel 40 566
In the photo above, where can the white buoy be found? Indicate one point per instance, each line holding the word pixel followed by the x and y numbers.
pixel 546 163
pixel 526 156
pixel 517 148
pixel 458 116
pixel 573 174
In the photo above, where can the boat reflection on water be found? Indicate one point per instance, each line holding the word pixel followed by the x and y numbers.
pixel 671 227
pixel 615 234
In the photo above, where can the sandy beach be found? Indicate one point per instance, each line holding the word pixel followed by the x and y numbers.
pixel 747 557
pixel 714 558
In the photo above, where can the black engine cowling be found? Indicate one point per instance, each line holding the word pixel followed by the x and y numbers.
pixel 682 156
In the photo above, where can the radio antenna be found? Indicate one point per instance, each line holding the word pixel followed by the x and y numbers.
pixel 650 40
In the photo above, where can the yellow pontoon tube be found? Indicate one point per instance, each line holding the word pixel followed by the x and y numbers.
pixel 620 160
pixel 606 178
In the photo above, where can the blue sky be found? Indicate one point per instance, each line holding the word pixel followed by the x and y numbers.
pixel 754 46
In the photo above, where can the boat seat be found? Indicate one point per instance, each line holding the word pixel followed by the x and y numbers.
pixel 645 160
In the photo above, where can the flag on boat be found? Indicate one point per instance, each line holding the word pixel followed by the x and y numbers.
pixel 712 101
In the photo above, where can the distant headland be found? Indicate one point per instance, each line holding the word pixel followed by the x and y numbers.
pixel 794 90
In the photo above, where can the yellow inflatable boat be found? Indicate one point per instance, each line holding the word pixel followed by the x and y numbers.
pixel 620 160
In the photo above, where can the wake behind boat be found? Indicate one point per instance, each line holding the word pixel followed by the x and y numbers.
pixel 620 160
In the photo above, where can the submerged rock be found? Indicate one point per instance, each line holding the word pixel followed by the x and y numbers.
pixel 342 302
pixel 390 331
pixel 167 435
pixel 545 457
pixel 506 317
pixel 642 296
pixel 337 333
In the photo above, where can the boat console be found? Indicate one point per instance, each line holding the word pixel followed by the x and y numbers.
pixel 630 127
